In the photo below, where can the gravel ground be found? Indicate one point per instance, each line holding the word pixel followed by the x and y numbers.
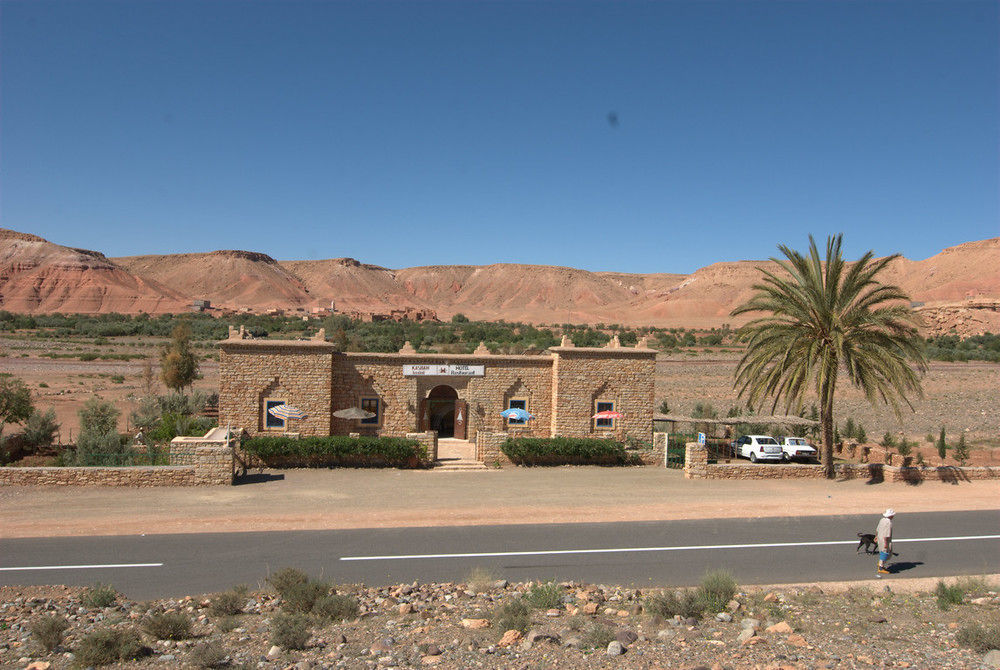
pixel 454 626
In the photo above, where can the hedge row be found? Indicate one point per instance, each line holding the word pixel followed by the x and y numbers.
pixel 566 451
pixel 337 450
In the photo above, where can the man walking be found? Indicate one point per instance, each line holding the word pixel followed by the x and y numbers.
pixel 883 535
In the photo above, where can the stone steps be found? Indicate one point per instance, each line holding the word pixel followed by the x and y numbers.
pixel 458 466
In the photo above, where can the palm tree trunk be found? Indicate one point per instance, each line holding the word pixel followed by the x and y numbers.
pixel 826 421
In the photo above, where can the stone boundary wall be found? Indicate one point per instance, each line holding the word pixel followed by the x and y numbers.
pixel 429 441
pixel 154 475
pixel 488 448
pixel 696 466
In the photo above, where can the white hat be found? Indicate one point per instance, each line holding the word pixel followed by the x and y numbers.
pixel 889 513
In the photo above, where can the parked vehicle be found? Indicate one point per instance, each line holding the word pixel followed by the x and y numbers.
pixel 758 448
pixel 797 447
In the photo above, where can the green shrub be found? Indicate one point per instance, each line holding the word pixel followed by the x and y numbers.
pixel 597 635
pixel 168 626
pixel 565 451
pixel 284 579
pixel 979 637
pixel 888 440
pixel 108 645
pixel 684 603
pixel 208 655
pixel 512 615
pixel 948 595
pixel 290 631
pixel 99 596
pixel 716 590
pixel 335 607
pixel 544 596
pixel 48 631
pixel 336 450
pixel 228 603
pixel 303 597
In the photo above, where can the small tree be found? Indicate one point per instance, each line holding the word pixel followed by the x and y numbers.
pixel 849 429
pixel 888 440
pixel 860 434
pixel 40 429
pixel 664 407
pixel 178 365
pixel 961 451
pixel 942 445
pixel 15 402
pixel 904 447
pixel 98 433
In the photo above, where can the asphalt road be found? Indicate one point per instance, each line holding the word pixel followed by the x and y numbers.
pixel 640 554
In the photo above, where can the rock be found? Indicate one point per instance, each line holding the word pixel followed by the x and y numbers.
pixel 724 616
pixel 615 648
pixel 274 651
pixel 982 601
pixel 405 608
pixel 552 612
pixel 626 637
pixel 304 665
pixel 796 640
pixel 39 665
pixel 745 635
pixel 691 621
pixel 780 627
pixel 538 636
pixel 622 613
pixel 666 634
pixel 733 605
pixel 751 623
pixel 573 642
pixel 992 659
pixel 877 619
pixel 167 658
pixel 431 660
pixel 770 597
pixel 509 638
pixel 433 650
pixel 590 608
pixel 475 623
pixel 501 584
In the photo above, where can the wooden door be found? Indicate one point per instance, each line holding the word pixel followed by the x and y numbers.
pixel 423 419
pixel 461 419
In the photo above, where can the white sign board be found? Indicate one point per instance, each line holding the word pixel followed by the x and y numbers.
pixel 435 370
pixel 701 438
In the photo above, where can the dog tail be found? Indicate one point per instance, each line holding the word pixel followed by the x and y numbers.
pixel 860 534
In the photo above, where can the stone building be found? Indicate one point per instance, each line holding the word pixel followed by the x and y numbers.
pixel 453 394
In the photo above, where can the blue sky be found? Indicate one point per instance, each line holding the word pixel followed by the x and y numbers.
pixel 628 136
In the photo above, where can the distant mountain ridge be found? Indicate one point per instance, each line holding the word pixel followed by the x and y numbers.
pixel 37 276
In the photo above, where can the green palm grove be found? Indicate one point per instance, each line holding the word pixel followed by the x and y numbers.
pixel 824 318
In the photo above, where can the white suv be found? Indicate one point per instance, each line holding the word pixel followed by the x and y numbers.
pixel 758 448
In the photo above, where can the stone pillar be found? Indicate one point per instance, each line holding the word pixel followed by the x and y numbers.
pixel 488 448
pixel 214 465
pixel 429 441
pixel 695 461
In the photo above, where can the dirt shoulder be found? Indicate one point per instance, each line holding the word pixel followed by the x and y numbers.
pixel 334 499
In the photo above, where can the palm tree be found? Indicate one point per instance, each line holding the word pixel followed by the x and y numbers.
pixel 828 317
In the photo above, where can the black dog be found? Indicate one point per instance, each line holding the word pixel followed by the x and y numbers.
pixel 867 540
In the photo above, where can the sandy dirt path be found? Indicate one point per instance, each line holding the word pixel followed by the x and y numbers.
pixel 332 499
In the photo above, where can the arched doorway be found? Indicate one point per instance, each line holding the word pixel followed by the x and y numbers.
pixel 444 412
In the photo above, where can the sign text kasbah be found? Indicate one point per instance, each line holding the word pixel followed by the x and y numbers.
pixel 436 370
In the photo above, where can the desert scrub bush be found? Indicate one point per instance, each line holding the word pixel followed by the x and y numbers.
pixel 303 597
pixel 684 603
pixel 565 451
pixel 290 631
pixel 168 626
pixel 99 596
pixel 284 579
pixel 948 594
pixel 544 596
pixel 228 603
pixel 597 635
pixel 480 580
pixel 975 586
pixel 108 645
pixel 227 623
pixel 48 631
pixel 336 607
pixel 979 637
pixel 716 590
pixel 514 614
pixel 208 655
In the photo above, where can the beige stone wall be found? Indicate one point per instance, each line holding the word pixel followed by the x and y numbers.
pixel 695 461
pixel 429 441
pixel 157 475
pixel 581 376
pixel 297 372
pixel 488 445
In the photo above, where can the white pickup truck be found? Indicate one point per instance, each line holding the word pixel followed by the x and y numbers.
pixel 796 447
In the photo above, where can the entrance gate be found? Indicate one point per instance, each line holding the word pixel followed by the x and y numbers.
pixel 442 410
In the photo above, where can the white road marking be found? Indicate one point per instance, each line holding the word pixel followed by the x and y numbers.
pixel 628 550
pixel 83 567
